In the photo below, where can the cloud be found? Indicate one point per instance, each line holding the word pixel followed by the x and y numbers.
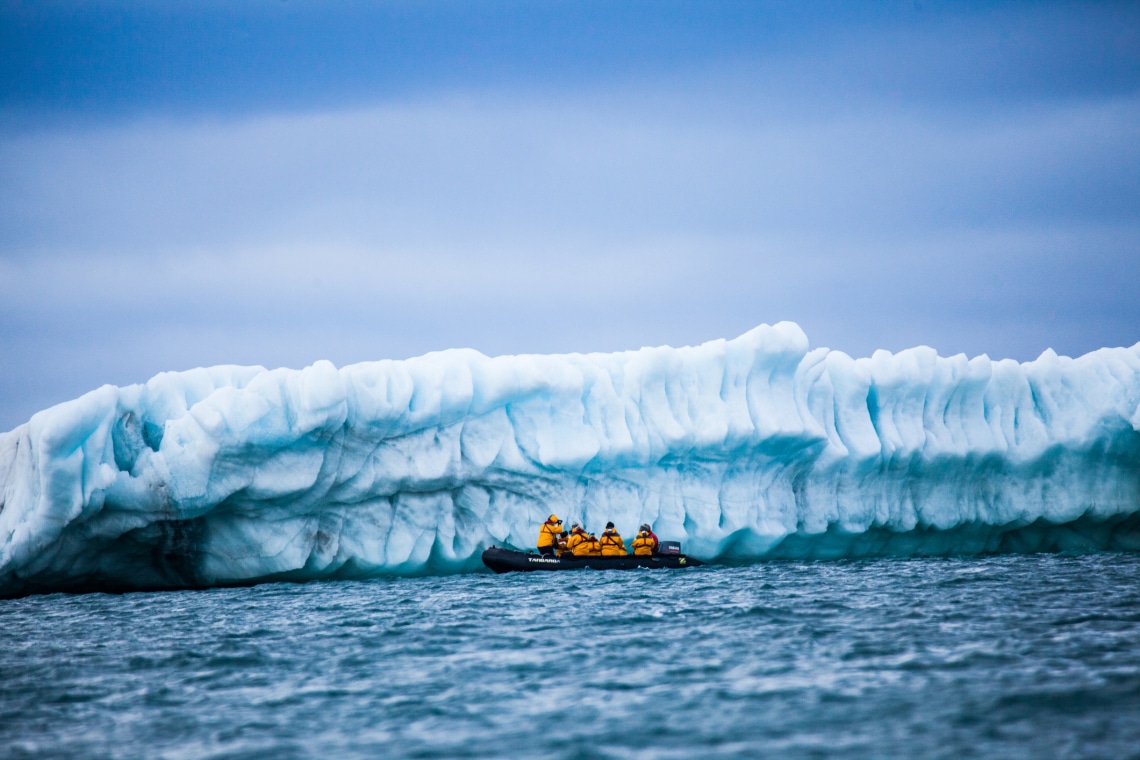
pixel 602 216
pixel 435 171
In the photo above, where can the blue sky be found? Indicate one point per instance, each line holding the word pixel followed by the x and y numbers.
pixel 185 184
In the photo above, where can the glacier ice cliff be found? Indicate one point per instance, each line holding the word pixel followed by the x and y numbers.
pixel 744 449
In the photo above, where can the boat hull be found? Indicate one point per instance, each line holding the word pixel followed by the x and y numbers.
pixel 509 560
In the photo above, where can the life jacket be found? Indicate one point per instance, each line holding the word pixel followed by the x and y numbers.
pixel 588 547
pixel 644 545
pixel 577 536
pixel 548 533
pixel 612 544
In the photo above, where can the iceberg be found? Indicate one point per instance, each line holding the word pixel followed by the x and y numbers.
pixel 754 448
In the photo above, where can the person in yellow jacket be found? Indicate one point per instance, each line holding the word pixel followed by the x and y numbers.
pixel 588 547
pixel 612 543
pixel 645 544
pixel 576 537
pixel 548 535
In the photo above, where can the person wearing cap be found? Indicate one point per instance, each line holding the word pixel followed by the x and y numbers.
pixel 651 538
pixel 576 537
pixel 645 545
pixel 548 535
pixel 612 543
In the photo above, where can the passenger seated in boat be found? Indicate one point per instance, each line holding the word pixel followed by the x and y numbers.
pixel 645 527
pixel 612 543
pixel 645 545
pixel 548 535
pixel 588 547
pixel 561 548
pixel 577 536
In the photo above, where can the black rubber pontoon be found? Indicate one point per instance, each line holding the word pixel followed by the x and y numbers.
pixel 509 560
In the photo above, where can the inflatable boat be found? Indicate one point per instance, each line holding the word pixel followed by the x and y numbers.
pixel 509 560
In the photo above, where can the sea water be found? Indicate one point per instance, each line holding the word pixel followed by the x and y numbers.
pixel 1010 656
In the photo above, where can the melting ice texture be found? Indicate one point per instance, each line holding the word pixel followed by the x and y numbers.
pixel 743 449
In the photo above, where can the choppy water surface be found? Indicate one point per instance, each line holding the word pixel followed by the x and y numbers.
pixel 1015 656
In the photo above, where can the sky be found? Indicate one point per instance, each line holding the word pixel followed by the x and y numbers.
pixel 185 184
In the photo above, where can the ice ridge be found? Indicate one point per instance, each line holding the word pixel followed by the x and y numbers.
pixel 743 449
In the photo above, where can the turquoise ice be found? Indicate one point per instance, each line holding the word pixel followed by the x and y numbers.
pixel 749 448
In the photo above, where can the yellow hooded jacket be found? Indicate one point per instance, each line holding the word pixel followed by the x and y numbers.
pixel 588 547
pixel 644 545
pixel 612 544
pixel 577 536
pixel 548 533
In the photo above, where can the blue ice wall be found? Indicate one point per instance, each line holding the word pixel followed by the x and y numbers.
pixel 743 449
